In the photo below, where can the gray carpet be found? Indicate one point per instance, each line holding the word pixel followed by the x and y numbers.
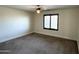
pixel 39 44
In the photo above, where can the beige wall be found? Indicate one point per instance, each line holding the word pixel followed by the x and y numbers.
pixel 14 23
pixel 78 31
pixel 67 23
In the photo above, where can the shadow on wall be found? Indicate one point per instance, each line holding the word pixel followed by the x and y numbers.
pixel 13 23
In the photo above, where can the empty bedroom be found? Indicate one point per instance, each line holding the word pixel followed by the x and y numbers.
pixel 39 29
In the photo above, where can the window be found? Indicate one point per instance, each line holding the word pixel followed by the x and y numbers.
pixel 50 21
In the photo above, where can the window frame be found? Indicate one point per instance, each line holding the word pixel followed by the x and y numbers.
pixel 50 22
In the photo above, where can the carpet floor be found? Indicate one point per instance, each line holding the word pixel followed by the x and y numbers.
pixel 39 44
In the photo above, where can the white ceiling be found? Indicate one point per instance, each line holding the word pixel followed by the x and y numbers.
pixel 43 7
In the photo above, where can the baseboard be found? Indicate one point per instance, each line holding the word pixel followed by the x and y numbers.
pixel 4 40
pixel 56 36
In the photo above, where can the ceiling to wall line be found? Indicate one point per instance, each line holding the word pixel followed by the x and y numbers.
pixel 44 7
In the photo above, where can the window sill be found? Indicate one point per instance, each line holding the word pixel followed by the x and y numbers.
pixel 50 29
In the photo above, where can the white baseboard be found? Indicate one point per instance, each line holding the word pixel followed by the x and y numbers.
pixel 4 40
pixel 55 35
